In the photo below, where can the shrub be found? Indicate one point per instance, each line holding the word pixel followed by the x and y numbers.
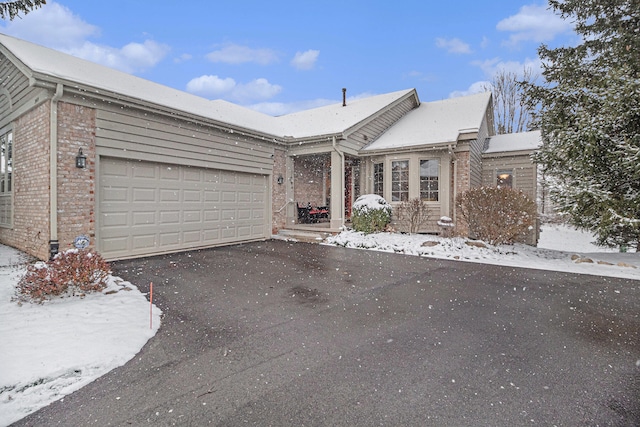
pixel 497 215
pixel 371 213
pixel 74 271
pixel 412 214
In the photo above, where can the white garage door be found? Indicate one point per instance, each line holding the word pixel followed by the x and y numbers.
pixel 147 208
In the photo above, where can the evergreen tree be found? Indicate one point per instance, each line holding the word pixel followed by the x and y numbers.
pixel 11 9
pixel 589 116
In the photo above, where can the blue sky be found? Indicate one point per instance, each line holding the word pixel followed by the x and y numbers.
pixel 283 56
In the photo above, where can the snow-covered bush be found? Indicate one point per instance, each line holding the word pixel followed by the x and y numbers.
pixel 74 271
pixel 497 215
pixel 412 214
pixel 371 213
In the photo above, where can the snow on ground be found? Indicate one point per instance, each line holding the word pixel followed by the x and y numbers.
pixel 561 248
pixel 50 350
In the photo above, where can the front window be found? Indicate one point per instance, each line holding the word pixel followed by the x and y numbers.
pixel 429 180
pixel 400 181
pixel 6 178
pixel 504 178
pixel 378 179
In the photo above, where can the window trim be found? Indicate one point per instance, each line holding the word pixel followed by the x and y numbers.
pixel 7 177
pixel 437 180
pixel 509 171
pixel 378 178
pixel 407 181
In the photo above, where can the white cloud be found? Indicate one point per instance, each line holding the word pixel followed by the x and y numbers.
pixel 237 54
pixel 477 87
pixel 57 27
pixel 52 25
pixel 182 58
pixel 211 86
pixel 533 23
pixel 491 66
pixel 131 58
pixel 215 87
pixel 454 45
pixel 305 60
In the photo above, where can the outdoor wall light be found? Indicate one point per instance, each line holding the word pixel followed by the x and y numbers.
pixel 81 160
pixel 280 180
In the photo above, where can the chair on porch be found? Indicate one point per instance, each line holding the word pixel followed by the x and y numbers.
pixel 303 214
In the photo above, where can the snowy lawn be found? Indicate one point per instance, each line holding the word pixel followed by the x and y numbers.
pixel 561 248
pixel 50 350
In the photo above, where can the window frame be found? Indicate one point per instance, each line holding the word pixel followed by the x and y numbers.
pixel 428 181
pixel 508 181
pixel 6 177
pixel 378 178
pixel 400 186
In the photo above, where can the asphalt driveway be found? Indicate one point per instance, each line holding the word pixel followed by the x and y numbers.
pixel 294 334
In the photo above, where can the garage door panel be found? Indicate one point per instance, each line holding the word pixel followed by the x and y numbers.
pixel 148 208
pixel 144 170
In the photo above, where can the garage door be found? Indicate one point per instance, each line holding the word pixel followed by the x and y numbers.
pixel 147 208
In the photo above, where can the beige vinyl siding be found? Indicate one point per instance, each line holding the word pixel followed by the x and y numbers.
pixel 15 94
pixel 146 136
pixel 524 171
pixel 475 154
pixel 378 124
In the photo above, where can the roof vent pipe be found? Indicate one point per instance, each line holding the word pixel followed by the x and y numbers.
pixel 344 96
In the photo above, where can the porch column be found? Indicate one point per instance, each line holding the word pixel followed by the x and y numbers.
pixel 337 189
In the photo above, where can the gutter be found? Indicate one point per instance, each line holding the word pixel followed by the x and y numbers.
pixel 54 244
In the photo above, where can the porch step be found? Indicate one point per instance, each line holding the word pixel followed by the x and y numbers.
pixel 303 236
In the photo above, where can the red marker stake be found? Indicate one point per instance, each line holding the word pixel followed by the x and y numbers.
pixel 151 306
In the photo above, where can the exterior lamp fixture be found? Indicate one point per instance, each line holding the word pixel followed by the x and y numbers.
pixel 280 180
pixel 81 160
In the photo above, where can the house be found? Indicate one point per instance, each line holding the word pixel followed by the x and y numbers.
pixel 136 168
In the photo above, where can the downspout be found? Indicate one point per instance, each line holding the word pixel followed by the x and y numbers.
pixel 54 244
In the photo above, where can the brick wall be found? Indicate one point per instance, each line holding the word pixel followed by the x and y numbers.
pixel 30 231
pixel 279 192
pixel 309 176
pixel 462 184
pixel 76 187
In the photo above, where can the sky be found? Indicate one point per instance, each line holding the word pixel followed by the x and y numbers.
pixel 284 56
pixel 79 340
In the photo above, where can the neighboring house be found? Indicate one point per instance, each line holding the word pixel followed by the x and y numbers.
pixel 168 171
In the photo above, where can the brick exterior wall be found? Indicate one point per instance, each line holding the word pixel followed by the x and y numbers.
pixel 279 192
pixel 462 184
pixel 30 231
pixel 76 187
pixel 309 176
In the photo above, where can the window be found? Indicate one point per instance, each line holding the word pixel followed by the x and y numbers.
pixel 429 180
pixel 378 179
pixel 504 178
pixel 6 183
pixel 400 181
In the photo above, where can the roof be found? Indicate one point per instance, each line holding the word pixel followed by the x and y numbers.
pixel 435 122
pixel 523 141
pixel 333 119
